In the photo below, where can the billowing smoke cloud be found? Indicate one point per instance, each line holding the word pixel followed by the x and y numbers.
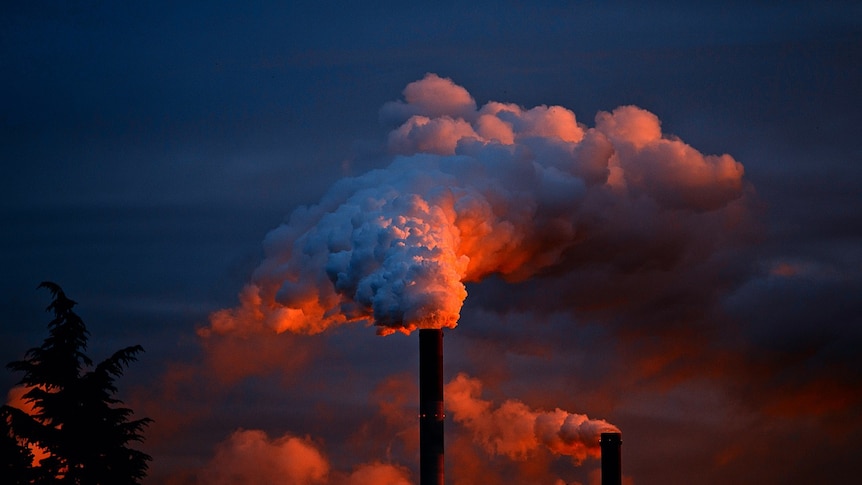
pixel 516 431
pixel 251 457
pixel 379 473
pixel 474 192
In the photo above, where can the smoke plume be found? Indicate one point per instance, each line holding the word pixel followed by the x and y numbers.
pixel 516 431
pixel 250 456
pixel 475 191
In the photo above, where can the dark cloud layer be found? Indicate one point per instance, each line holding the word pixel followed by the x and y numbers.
pixel 147 151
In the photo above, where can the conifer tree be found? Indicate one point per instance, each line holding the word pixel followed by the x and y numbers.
pixel 16 459
pixel 78 420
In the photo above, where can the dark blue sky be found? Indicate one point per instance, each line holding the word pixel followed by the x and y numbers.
pixel 148 149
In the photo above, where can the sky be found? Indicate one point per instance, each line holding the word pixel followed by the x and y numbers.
pixel 644 217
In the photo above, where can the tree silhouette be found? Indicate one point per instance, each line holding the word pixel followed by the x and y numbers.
pixel 77 420
pixel 15 456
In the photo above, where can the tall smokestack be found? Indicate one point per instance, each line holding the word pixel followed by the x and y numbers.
pixel 612 472
pixel 430 407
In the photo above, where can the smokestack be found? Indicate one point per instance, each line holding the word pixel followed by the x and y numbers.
pixel 612 472
pixel 431 407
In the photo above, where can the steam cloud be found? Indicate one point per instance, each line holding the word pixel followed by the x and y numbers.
pixel 250 456
pixel 515 430
pixel 511 429
pixel 472 192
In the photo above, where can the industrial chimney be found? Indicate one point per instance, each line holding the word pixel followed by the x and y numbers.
pixel 430 407
pixel 612 472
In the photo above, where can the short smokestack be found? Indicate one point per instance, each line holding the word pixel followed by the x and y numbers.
pixel 612 471
pixel 431 407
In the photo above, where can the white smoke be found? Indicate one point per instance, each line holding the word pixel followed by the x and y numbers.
pixel 515 430
pixel 473 192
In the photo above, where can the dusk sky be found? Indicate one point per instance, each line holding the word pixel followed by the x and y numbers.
pixel 624 215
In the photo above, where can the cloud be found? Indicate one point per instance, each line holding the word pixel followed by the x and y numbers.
pixel 670 171
pixel 515 430
pixel 423 134
pixel 379 474
pixel 250 456
pixel 499 190
pixel 431 97
pixel 396 398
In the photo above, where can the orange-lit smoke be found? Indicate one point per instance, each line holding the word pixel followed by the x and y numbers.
pixel 396 401
pixel 251 457
pixel 474 191
pixel 379 473
pixel 516 431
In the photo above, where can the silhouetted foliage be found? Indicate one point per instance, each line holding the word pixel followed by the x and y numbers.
pixel 77 419
pixel 15 455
